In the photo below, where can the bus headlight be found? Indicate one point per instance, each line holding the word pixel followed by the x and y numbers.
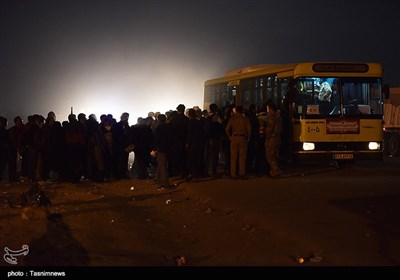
pixel 308 146
pixel 374 146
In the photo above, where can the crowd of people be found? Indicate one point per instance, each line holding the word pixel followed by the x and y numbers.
pixel 188 143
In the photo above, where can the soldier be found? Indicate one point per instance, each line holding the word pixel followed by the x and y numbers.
pixel 273 132
pixel 238 131
pixel 262 167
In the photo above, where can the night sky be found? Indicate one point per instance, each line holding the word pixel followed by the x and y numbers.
pixel 140 56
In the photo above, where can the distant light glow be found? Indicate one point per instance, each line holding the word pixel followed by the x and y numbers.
pixel 114 88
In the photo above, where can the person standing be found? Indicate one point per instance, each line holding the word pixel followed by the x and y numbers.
pixel 179 124
pixel 273 132
pixel 195 145
pixel 122 137
pixel 162 141
pixel 238 131
pixel 324 97
pixel 16 135
pixel 214 131
pixel 52 147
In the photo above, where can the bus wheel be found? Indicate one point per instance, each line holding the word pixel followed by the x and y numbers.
pixel 394 145
pixel 386 137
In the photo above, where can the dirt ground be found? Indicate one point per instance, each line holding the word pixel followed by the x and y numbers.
pixel 244 228
pixel 131 223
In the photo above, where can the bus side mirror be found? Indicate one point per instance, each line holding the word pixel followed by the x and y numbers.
pixel 386 91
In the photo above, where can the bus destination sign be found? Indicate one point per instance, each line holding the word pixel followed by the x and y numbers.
pixel 341 67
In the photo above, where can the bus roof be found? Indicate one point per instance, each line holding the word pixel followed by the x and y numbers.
pixel 302 69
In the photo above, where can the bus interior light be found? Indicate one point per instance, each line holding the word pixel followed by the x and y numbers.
pixel 308 146
pixel 374 145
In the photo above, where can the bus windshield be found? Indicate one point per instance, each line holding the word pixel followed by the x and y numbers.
pixel 338 96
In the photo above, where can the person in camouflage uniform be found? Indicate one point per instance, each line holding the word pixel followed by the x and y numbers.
pixel 273 132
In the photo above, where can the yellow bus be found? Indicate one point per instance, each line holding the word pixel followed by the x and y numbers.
pixel 330 110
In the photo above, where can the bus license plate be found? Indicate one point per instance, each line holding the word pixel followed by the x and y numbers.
pixel 343 156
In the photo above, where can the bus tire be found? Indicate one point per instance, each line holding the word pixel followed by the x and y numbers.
pixel 394 145
pixel 386 137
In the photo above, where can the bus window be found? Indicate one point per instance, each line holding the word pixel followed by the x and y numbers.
pixel 220 94
pixel 246 92
pixel 245 99
pixel 281 96
pixel 258 97
pixel 230 97
pixel 361 96
pixel 376 98
pixel 306 96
